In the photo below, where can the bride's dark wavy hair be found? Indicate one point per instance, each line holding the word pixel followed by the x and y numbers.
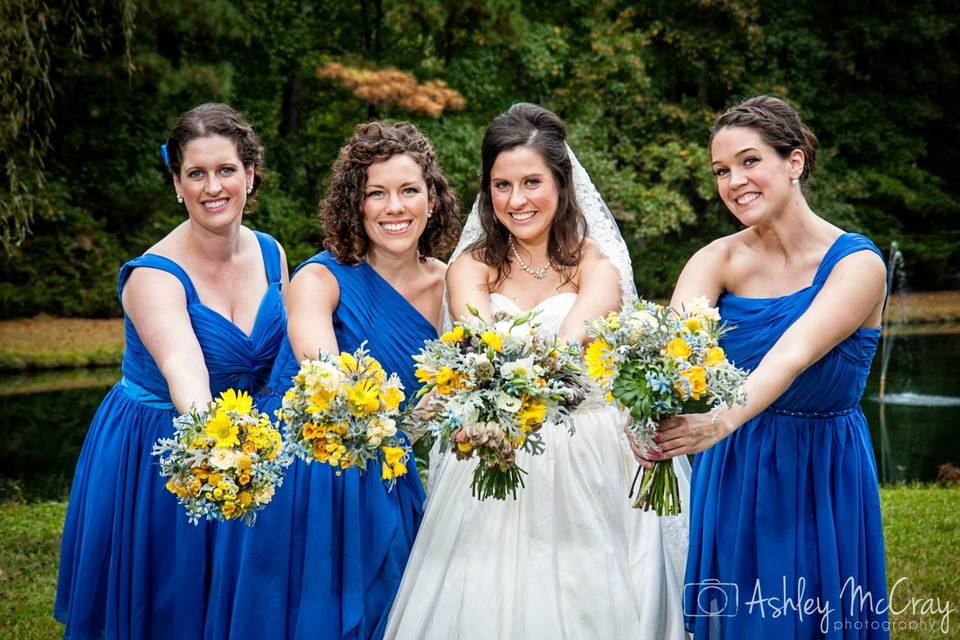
pixel 530 125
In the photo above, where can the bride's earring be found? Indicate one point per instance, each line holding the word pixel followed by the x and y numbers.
pixel 179 198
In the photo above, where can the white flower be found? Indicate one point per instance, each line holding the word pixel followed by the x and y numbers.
pixel 464 412
pixel 323 375
pixel 264 495
pixel 381 427
pixel 522 368
pixel 640 320
pixel 506 402
pixel 700 307
pixel 222 458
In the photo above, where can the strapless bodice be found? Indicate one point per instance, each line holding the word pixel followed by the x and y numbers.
pixel 550 312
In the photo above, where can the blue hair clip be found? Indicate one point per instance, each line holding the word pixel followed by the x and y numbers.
pixel 166 156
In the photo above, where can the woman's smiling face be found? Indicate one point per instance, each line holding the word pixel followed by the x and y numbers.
pixel 524 193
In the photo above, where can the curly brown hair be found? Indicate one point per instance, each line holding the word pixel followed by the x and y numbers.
pixel 342 207
pixel 216 119
pixel 530 125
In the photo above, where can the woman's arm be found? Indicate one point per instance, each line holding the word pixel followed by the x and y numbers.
pixel 155 302
pixel 851 295
pixel 313 297
pixel 598 294
pixel 703 275
pixel 467 285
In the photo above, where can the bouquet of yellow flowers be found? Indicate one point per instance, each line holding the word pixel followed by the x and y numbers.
pixel 224 462
pixel 657 362
pixel 496 384
pixel 343 411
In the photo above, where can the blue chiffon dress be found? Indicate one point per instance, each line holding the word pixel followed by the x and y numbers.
pixel 131 565
pixel 325 558
pixel 785 512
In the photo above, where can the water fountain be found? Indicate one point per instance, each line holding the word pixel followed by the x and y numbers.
pixel 902 398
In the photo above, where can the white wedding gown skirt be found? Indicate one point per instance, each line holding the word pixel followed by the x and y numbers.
pixel 569 558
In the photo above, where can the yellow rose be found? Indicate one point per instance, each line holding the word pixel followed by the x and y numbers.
pixel 320 451
pixel 492 340
pixel 446 381
pixel 453 336
pixel 715 355
pixel 464 447
pixel 244 499
pixel 697 377
pixel 532 414
pixel 692 324
pixel 678 348
pixel 229 510
pixel 244 478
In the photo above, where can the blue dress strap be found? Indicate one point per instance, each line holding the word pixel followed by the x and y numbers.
pixel 325 258
pixel 154 261
pixel 271 256
pixel 842 247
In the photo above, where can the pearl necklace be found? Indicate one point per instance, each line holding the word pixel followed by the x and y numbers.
pixel 539 273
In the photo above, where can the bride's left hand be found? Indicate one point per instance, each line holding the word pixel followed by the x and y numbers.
pixel 689 433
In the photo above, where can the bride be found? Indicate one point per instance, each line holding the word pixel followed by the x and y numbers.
pixel 569 557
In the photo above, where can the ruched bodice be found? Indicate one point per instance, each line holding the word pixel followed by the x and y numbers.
pixel 550 312
pixel 233 359
pixel 836 381
pixel 788 504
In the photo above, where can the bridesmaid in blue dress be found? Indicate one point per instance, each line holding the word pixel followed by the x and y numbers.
pixel 203 313
pixel 785 524
pixel 325 559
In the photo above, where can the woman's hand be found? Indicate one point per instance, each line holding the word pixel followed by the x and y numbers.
pixel 636 448
pixel 423 410
pixel 689 433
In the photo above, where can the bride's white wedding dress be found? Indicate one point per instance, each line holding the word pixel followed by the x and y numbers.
pixel 567 559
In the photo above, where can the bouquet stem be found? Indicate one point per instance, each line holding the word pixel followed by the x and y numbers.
pixel 495 482
pixel 659 490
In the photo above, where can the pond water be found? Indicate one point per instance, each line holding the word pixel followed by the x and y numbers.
pixel 913 431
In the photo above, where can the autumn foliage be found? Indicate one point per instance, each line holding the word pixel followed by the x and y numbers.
pixel 395 88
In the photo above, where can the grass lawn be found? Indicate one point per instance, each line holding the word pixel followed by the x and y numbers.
pixel 51 343
pixel 922 525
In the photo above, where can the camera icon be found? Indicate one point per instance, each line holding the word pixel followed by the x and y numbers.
pixel 712 598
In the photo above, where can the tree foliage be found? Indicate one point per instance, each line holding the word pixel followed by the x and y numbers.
pixel 92 88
